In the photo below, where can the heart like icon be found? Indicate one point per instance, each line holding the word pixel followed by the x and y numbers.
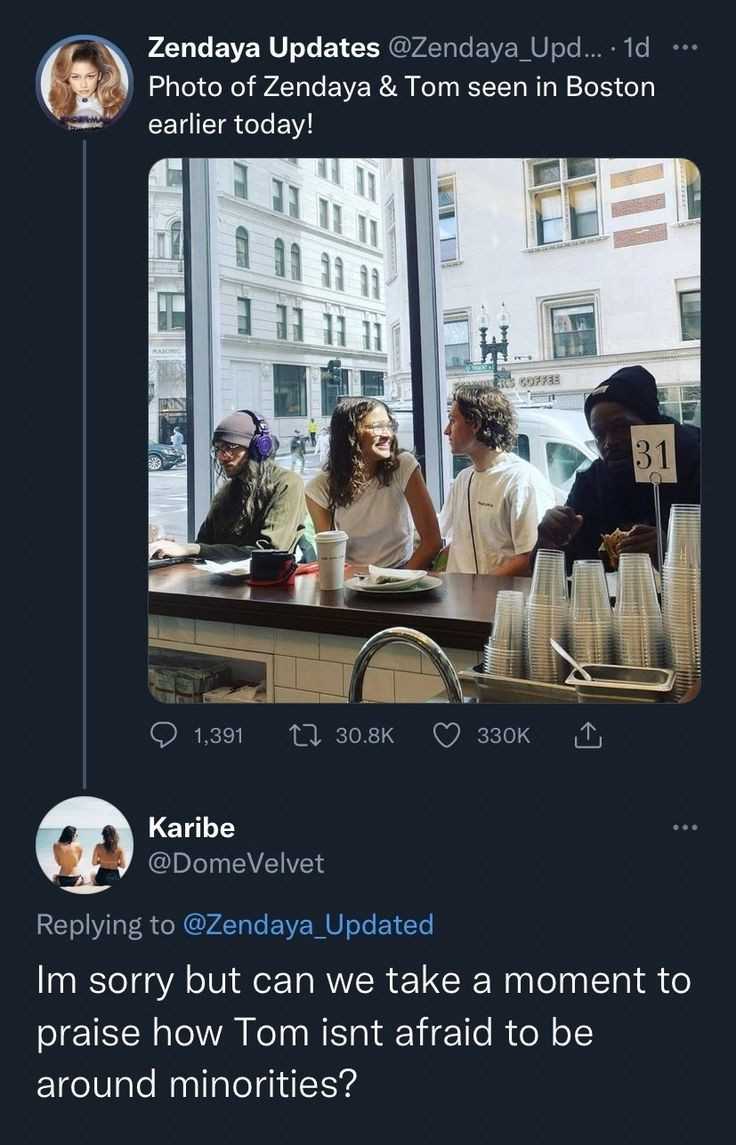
pixel 446 734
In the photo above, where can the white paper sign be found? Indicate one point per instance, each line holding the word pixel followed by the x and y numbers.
pixel 653 448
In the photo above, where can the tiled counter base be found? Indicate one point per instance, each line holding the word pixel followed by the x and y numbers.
pixel 307 667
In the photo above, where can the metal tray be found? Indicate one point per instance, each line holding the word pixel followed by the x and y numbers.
pixel 508 690
pixel 622 683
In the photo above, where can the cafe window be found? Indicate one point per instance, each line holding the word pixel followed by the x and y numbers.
pixel 174 176
pixel 242 256
pixel 244 326
pixel 279 259
pixel 371 383
pixel 364 281
pixel 170 311
pixel 294 202
pixel 573 332
pixel 690 315
pixel 327 329
pixel 240 180
pixel 375 284
pixel 447 218
pixel 281 328
pixel 333 388
pixel 457 342
pixel 297 326
pixel 277 195
pixel 325 263
pixel 339 275
pixel 340 331
pixel 289 391
pixel 563 200
pixel 296 262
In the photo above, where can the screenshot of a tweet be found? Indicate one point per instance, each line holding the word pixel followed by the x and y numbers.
pixel 382 799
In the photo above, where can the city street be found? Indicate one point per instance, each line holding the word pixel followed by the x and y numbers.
pixel 167 495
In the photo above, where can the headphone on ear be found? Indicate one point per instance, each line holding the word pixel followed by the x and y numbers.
pixel 261 446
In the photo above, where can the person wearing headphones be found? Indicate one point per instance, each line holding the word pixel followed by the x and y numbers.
pixel 494 507
pixel 260 505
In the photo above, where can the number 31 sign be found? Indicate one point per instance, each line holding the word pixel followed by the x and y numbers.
pixel 654 454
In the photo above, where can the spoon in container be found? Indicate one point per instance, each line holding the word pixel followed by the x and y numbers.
pixel 566 656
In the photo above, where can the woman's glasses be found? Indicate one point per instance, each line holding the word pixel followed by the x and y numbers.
pixel 381 428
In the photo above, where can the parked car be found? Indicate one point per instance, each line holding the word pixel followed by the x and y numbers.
pixel 162 456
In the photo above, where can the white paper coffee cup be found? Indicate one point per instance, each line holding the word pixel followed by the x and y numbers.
pixel 331 546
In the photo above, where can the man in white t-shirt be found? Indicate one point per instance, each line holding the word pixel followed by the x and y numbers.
pixel 494 507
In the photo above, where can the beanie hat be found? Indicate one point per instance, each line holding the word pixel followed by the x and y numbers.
pixel 633 387
pixel 237 427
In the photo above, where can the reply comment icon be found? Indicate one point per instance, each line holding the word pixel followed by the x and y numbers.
pixel 163 733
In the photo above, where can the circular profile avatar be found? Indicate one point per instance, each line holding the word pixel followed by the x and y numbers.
pixel 84 845
pixel 84 83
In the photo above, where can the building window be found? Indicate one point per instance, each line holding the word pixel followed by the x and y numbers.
pixel 362 229
pixel 240 180
pixel 337 219
pixel 374 233
pixel 322 168
pixel 325 270
pixel 366 335
pixel 375 284
pixel 364 281
pixel 371 384
pixel 324 217
pixel 289 391
pixel 457 342
pixel 335 170
pixel 176 239
pixel 244 316
pixel 447 218
pixel 377 336
pixel 359 180
pixel 371 186
pixel 296 262
pixel 279 258
pixel 392 252
pixel 281 331
pixel 294 202
pixel 691 175
pixel 242 254
pixel 339 275
pixel 573 331
pixel 563 200
pixel 690 315
pixel 340 332
pixel 170 311
pixel 277 195
pixel 396 346
pixel 297 327
pixel 161 244
pixel 333 390
pixel 327 329
pixel 173 173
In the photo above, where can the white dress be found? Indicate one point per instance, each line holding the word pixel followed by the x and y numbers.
pixel 87 113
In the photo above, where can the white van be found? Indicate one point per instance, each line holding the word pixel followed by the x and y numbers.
pixel 556 441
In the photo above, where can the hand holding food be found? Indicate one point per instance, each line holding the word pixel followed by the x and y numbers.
pixel 558 526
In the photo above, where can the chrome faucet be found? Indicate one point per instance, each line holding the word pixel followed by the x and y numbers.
pixel 415 640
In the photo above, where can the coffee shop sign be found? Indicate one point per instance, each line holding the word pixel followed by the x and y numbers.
pixel 526 382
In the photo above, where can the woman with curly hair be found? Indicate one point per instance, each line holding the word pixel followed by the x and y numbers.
pixel 494 507
pixel 373 490
pixel 87 89
pixel 109 858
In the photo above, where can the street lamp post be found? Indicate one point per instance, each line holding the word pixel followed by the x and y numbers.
pixel 496 347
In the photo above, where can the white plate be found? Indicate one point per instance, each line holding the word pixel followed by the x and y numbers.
pixel 229 570
pixel 358 585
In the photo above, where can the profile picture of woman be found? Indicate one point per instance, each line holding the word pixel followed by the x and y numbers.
pixel 84 845
pixel 83 83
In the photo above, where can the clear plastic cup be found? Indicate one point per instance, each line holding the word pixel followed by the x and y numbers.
pixel 331 548
pixel 508 621
pixel 550 578
pixel 683 537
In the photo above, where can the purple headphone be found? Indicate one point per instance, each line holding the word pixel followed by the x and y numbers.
pixel 261 446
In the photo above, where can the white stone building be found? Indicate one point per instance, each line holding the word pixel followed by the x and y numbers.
pixel 596 262
pixel 298 265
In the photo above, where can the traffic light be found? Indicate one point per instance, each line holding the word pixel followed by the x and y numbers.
pixel 334 372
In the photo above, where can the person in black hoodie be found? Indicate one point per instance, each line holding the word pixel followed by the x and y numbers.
pixel 605 495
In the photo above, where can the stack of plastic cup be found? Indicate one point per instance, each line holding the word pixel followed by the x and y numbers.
pixel 638 629
pixel 681 595
pixel 503 655
pixel 591 619
pixel 547 615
